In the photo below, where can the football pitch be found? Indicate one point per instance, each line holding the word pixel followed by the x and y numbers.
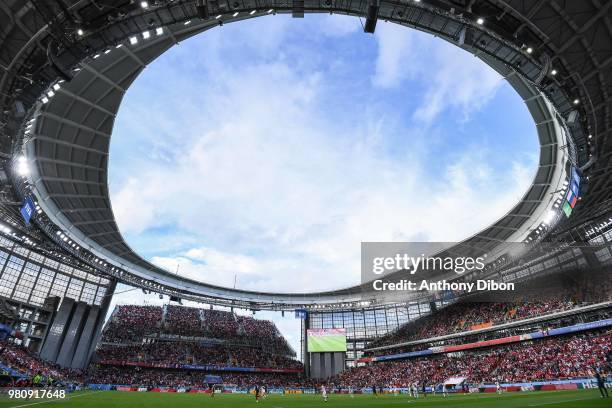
pixel 114 399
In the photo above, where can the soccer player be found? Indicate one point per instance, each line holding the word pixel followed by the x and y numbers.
pixel 324 393
pixel 601 385
pixel 444 393
pixel 256 393
pixel 423 389
pixel 498 387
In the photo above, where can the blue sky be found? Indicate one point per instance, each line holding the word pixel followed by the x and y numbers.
pixel 271 148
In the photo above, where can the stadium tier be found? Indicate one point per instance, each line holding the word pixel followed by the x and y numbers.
pixel 521 306
pixel 576 291
pixel 136 324
pixel 520 363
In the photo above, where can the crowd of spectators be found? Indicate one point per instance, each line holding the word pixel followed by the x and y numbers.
pixel 183 320
pixel 29 364
pixel 132 324
pixel 552 358
pixel 150 377
pixel 555 358
pixel 571 356
pixel 224 325
pixel 266 333
pixel 476 336
pixel 466 316
pixel 181 352
pixel 540 297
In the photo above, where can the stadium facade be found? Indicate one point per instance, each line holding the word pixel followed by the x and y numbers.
pixel 66 65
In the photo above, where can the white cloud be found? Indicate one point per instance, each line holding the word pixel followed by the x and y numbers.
pixel 394 61
pixel 453 79
pixel 463 83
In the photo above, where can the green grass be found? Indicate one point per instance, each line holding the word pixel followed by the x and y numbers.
pixel 115 399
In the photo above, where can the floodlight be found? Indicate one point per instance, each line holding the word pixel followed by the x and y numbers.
pixel 550 216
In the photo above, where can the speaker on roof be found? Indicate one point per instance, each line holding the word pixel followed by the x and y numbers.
pixel 202 9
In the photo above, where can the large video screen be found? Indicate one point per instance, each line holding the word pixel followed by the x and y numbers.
pixel 323 340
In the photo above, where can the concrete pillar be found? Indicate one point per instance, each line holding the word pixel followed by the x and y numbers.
pixel 57 330
pixel 88 335
pixel 72 334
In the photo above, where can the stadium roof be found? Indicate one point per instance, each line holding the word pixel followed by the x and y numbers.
pixel 68 63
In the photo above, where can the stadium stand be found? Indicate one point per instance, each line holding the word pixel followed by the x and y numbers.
pixel 173 352
pixel 155 364
pixel 172 336
pixel 149 377
pixel 578 290
pixel 21 365
pixel 553 358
